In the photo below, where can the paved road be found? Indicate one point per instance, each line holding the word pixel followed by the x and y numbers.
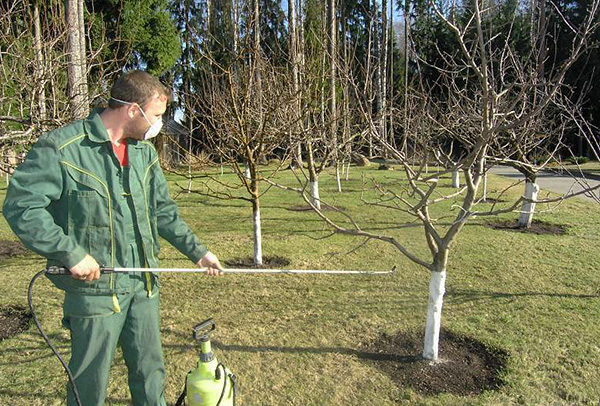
pixel 554 182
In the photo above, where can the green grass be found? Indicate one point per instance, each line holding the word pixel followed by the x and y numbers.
pixel 296 340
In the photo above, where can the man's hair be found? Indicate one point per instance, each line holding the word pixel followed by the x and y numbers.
pixel 137 86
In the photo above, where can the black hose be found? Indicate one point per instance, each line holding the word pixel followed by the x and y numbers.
pixel 39 326
pixel 233 379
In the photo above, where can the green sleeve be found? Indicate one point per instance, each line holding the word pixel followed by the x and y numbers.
pixel 170 226
pixel 36 184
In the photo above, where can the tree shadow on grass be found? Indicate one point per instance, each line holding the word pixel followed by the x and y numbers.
pixel 460 296
pixel 373 356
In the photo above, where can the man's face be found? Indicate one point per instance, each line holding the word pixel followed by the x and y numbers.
pixel 153 110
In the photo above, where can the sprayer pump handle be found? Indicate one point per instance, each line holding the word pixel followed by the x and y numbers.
pixel 209 324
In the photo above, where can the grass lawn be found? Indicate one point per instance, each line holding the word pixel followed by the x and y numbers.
pixel 297 340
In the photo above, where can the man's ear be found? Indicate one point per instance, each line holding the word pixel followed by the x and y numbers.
pixel 132 109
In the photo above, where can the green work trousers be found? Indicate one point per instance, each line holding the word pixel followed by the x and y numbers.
pixel 96 330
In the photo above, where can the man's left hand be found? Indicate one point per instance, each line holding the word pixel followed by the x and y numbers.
pixel 211 262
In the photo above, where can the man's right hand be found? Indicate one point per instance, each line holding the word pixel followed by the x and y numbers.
pixel 86 270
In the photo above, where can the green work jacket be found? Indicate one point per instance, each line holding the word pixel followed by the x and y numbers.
pixel 66 201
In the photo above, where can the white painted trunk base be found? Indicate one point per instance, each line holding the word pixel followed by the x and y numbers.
pixel 337 178
pixel 455 179
pixel 485 187
pixel 347 170
pixel 315 199
pixel 258 260
pixel 528 208
pixel 437 287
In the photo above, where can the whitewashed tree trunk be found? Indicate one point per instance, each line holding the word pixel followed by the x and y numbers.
pixel 338 177
pixel 455 179
pixel 247 172
pixel 314 194
pixel 258 260
pixel 437 287
pixel 528 208
pixel 485 187
pixel 347 170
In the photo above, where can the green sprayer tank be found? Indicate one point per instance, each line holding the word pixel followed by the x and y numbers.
pixel 210 383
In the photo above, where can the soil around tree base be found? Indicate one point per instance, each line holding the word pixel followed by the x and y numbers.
pixel 537 227
pixel 13 320
pixel 467 366
pixel 269 262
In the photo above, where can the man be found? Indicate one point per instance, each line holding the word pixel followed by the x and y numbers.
pixel 93 193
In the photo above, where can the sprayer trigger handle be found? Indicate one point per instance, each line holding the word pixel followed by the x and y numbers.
pixel 61 270
pixel 57 270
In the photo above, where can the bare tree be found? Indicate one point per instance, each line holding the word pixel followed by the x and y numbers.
pixel 486 115
pixel 34 56
pixel 245 129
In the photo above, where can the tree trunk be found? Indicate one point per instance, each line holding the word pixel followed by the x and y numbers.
pixel 346 95
pixel 332 89
pixel 377 56
pixel 437 288
pixel 313 177
pixel 528 208
pixel 293 55
pixel 76 67
pixel 455 179
pixel 485 187
pixel 406 58
pixel 39 65
pixel 314 193
pixel 391 70
pixel 82 51
pixel 383 70
pixel 369 83
pixel 258 259
pixel 236 26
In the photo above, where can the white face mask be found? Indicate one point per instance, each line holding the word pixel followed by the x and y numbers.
pixel 154 128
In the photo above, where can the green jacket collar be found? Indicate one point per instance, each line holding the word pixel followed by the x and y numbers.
pixel 94 127
pixel 95 130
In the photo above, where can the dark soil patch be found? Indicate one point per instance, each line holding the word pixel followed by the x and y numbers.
pixel 248 262
pixel 466 367
pixel 11 249
pixel 301 207
pixel 537 227
pixel 13 320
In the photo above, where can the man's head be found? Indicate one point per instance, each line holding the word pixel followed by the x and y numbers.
pixel 141 99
